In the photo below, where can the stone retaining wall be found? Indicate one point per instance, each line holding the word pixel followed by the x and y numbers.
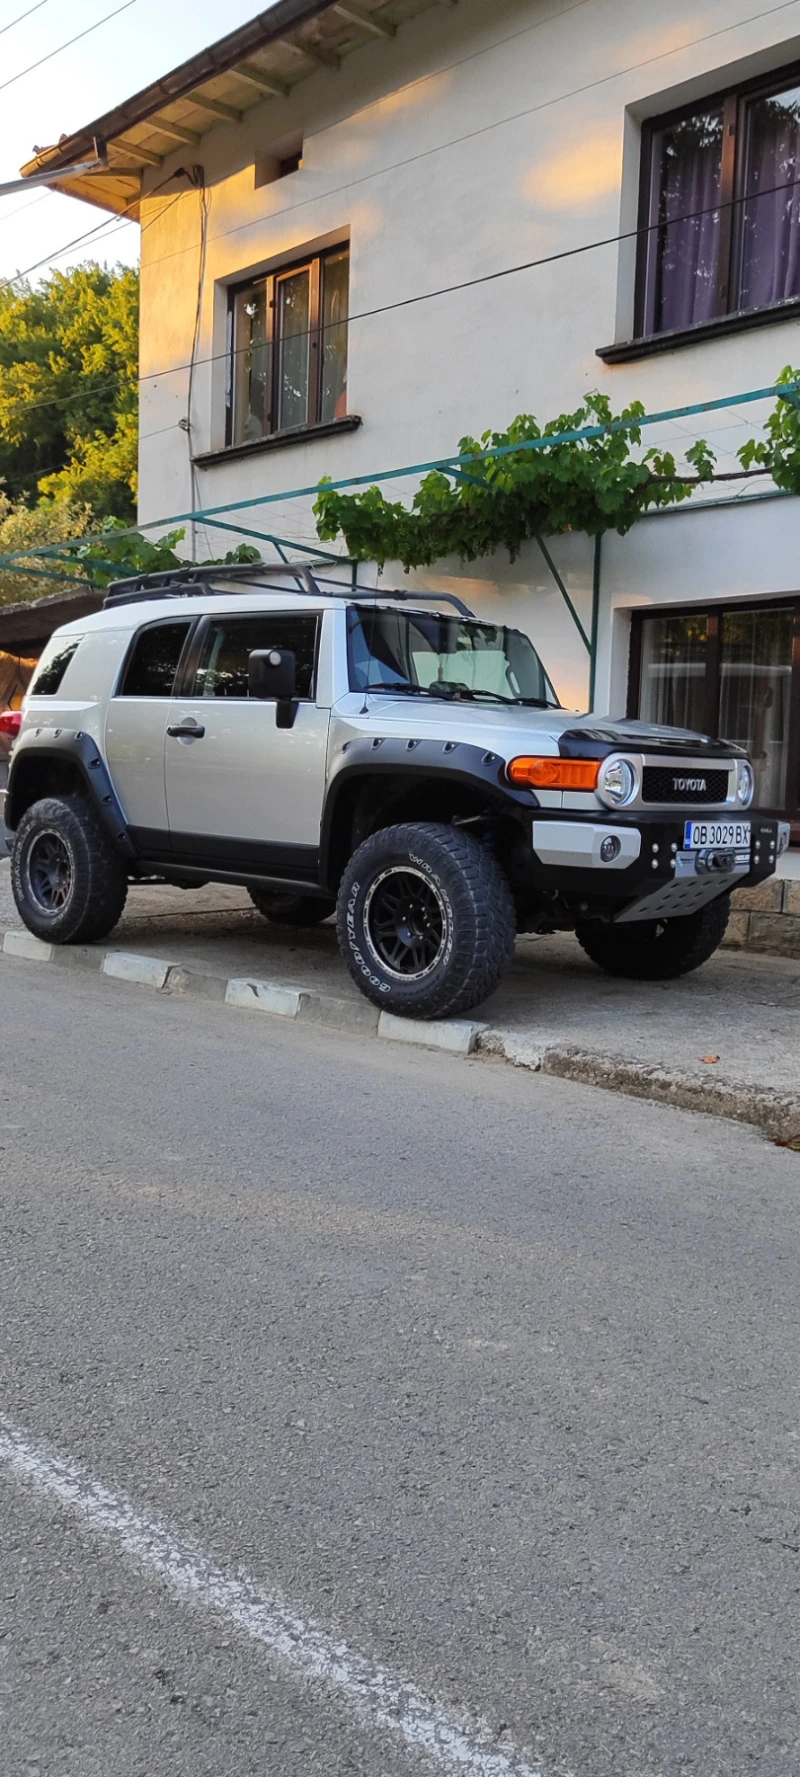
pixel 767 918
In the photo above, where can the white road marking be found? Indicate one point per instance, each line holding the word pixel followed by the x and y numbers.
pixel 377 1698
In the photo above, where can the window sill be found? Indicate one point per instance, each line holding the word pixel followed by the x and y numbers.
pixel 630 349
pixel 279 441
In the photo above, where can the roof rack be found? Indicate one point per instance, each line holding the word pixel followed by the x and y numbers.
pixel 172 583
pixel 182 582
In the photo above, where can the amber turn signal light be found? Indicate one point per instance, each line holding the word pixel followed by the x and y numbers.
pixel 553 774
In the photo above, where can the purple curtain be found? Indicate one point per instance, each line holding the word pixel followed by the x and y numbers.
pixel 770 262
pixel 687 242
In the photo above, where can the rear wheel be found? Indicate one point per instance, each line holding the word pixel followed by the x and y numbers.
pixel 425 920
pixel 657 950
pixel 291 910
pixel 68 881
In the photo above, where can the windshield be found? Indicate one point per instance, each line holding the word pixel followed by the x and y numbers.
pixel 446 657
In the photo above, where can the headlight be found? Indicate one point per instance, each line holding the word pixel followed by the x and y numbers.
pixel 617 782
pixel 745 784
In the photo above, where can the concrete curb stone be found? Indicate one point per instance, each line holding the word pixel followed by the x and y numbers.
pixel 264 996
pixel 142 971
pixel 776 1113
pixel 23 944
pixel 451 1034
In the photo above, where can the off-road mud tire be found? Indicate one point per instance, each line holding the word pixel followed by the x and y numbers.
pixel 657 950
pixel 96 883
pixel 469 899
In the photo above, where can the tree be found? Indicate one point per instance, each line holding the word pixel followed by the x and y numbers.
pixel 69 390
pixel 31 527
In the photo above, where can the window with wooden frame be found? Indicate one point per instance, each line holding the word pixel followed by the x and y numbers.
pixel 288 348
pixel 720 208
pixel 731 670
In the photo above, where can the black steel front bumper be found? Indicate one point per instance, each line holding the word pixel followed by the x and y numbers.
pixel 664 879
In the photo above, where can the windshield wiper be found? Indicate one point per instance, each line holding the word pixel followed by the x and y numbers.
pixel 446 693
pixel 397 690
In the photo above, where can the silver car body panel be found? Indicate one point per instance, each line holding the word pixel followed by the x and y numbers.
pixel 246 778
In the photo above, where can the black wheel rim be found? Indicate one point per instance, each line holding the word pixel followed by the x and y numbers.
pixel 406 923
pixel 50 872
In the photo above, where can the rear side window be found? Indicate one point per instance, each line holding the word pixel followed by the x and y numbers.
pixel 152 666
pixel 52 667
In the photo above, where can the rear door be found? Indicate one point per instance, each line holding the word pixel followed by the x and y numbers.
pixel 242 792
pixel 136 725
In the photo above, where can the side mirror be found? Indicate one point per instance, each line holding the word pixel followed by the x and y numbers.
pixel 272 676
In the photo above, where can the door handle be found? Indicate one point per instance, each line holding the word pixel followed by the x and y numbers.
pixel 187 731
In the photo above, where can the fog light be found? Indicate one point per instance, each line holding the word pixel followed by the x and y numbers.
pixel 610 849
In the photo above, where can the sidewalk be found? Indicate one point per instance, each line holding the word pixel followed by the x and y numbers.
pixel 649 1038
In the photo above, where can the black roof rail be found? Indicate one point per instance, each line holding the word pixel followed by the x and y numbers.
pixel 182 582
pixel 171 583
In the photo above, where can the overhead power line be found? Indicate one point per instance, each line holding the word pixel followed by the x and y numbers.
pixel 405 301
pixel 62 46
pixel 22 15
pixel 577 92
pixel 458 141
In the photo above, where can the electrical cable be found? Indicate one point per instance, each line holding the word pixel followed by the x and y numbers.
pixel 514 117
pixel 424 296
pixel 205 205
pixel 68 45
pixel 9 217
pixel 455 141
pixel 21 16
pixel 113 225
pixel 466 284
pixel 509 271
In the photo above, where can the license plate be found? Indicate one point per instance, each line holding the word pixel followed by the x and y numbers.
pixel 725 835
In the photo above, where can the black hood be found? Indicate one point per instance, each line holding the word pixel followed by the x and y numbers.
pixel 597 739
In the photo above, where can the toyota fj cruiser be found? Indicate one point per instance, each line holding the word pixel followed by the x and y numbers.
pixel 384 754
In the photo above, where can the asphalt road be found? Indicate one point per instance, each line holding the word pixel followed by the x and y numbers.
pixel 488 1381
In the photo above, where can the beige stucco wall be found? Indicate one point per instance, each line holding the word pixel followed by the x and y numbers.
pixel 482 136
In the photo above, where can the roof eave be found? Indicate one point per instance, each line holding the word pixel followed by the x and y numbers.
pixel 267 28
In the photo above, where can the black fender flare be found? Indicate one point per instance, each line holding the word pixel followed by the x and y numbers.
pixel 452 761
pixel 60 745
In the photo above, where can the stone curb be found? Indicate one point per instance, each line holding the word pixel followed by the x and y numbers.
pixel 776 1113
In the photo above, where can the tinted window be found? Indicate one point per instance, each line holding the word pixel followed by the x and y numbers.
pixel 223 668
pixel 53 665
pixel 153 664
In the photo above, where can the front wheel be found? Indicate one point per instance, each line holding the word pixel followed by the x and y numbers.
pixel 425 920
pixel 657 950
pixel 68 881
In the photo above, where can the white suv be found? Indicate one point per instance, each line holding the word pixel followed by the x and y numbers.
pixel 389 756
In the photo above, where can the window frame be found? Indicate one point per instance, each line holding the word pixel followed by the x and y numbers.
pixel 186 677
pixel 714 612
pixel 734 101
pixel 314 264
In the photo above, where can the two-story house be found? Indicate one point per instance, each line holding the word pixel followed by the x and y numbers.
pixel 327 197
